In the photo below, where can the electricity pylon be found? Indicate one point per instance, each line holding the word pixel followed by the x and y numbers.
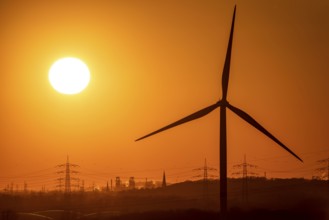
pixel 245 174
pixel 68 179
pixel 324 169
pixel 205 176
pixel 205 170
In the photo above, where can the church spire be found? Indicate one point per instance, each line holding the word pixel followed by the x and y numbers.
pixel 164 183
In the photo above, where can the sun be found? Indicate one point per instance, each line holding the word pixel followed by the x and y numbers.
pixel 69 75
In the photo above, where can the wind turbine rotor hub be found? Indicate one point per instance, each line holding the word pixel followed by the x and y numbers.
pixel 223 102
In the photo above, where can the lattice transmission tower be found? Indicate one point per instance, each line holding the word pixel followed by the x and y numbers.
pixel 324 169
pixel 69 181
pixel 245 175
pixel 205 175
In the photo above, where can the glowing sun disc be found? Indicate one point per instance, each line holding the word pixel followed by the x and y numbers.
pixel 69 75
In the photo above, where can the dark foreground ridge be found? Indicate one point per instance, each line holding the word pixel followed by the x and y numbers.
pixel 267 199
pixel 192 214
pixel 232 214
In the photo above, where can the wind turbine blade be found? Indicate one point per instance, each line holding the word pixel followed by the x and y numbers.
pixel 227 64
pixel 254 123
pixel 191 117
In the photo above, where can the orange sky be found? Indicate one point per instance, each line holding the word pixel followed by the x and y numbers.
pixel 151 63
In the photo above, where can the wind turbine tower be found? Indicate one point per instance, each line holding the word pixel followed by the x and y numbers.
pixel 223 104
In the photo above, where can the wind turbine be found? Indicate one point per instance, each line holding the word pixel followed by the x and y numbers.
pixel 223 104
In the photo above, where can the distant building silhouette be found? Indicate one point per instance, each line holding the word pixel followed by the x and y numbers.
pixel 117 183
pixel 149 184
pixel 107 187
pixel 132 183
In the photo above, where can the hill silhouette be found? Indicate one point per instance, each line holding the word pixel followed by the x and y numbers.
pixel 277 197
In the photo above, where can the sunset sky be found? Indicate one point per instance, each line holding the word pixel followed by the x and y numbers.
pixel 151 63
